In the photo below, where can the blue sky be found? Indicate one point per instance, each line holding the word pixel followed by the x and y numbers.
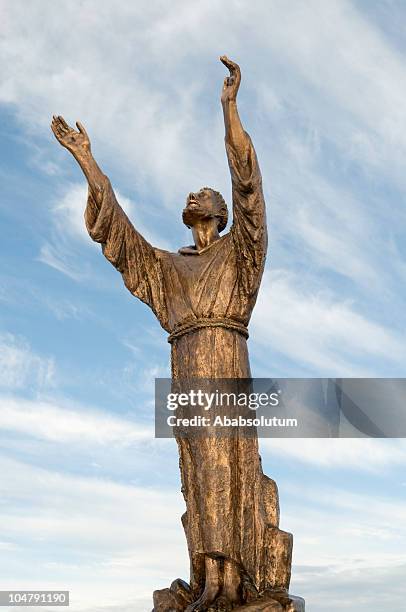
pixel 89 500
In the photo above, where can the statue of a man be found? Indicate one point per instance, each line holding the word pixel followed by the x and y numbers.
pixel 203 296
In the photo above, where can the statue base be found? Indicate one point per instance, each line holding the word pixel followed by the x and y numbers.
pixel 274 601
pixel 179 596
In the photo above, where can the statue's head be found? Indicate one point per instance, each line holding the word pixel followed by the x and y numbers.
pixel 205 204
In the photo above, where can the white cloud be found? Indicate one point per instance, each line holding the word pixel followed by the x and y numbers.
pixel 20 367
pixel 349 74
pixel 106 542
pixel 326 223
pixel 63 308
pixel 60 258
pixel 339 68
pixel 150 127
pixel 48 421
pixel 347 545
pixel 367 530
pixel 342 453
pixel 317 330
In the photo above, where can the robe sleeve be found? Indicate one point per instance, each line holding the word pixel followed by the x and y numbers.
pixel 125 248
pixel 249 230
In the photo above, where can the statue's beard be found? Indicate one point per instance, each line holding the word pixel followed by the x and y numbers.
pixel 192 214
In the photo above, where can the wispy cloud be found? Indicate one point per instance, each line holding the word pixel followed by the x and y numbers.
pixel 345 543
pixel 101 539
pixel 320 332
pixel 21 367
pixel 60 258
pixel 49 421
pixel 349 454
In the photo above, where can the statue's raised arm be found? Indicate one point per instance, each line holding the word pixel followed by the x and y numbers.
pixel 108 224
pixel 249 213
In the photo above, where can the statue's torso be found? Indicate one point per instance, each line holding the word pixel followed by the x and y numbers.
pixel 207 284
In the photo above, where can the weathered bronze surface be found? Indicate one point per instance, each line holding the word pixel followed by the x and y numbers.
pixel 203 296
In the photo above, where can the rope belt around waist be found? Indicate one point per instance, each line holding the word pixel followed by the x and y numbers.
pixel 188 328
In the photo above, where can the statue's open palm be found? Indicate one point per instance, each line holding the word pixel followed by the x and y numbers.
pixel 75 141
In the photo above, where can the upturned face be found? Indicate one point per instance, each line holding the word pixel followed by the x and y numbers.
pixel 199 205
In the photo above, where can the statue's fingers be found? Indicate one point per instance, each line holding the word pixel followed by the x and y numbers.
pixel 81 129
pixel 226 63
pixel 232 66
pixel 61 126
pixel 55 130
pixel 236 73
pixel 61 132
pixel 224 59
pixel 58 130
pixel 54 123
pixel 63 122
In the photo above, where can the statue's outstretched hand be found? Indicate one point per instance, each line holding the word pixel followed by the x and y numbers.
pixel 232 82
pixel 75 142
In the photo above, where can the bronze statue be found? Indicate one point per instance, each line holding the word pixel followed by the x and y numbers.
pixel 203 296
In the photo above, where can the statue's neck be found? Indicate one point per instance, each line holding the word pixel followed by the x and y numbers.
pixel 205 232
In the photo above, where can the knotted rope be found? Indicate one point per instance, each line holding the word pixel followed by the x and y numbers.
pixel 187 328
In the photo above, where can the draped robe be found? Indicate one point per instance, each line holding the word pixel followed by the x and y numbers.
pixel 222 481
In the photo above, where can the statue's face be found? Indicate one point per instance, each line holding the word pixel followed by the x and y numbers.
pixel 200 205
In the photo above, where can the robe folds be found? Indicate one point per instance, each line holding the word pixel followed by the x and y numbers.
pixel 222 480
